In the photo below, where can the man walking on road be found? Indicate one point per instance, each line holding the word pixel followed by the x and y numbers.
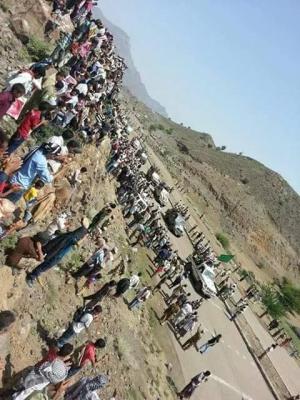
pixel 194 339
pixel 268 350
pixel 210 343
pixel 190 388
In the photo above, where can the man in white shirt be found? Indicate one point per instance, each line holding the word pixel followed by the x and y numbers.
pixel 135 281
pixel 79 324
pixel 58 224
pixel 82 88
pixel 185 310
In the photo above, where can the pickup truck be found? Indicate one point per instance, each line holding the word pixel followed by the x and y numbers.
pixel 203 277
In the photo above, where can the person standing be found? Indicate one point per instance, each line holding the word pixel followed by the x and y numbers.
pixel 187 324
pixel 190 388
pixel 268 350
pixel 98 296
pixel 285 342
pixel 185 310
pixel 122 286
pixel 170 312
pixel 135 280
pixel 276 333
pixel 79 324
pixel 107 210
pixel 179 290
pixel 142 295
pixel 88 356
pixel 273 324
pixel 194 339
pixel 240 309
pixel 210 343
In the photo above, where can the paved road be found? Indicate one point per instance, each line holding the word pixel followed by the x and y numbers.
pixel 286 366
pixel 235 375
pixel 232 365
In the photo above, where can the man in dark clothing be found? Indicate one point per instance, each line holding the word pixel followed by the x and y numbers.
pixel 101 215
pixel 122 286
pixel 273 324
pixel 97 297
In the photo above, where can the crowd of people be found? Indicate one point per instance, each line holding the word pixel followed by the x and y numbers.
pixel 74 93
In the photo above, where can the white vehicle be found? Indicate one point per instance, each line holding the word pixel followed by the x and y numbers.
pixel 175 222
pixel 155 178
pixel 161 195
pixel 203 279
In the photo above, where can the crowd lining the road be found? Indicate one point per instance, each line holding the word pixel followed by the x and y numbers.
pixel 75 91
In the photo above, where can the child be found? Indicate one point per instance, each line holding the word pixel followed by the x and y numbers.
pixel 7 98
pixel 32 120
pixel 30 197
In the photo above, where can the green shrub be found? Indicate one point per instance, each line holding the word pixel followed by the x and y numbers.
pixel 223 240
pixel 169 131
pixel 37 49
pixel 245 181
pixel 45 132
pixel 152 128
pixel 9 242
pixel 23 55
pixel 289 296
pixel 271 301
pixel 160 127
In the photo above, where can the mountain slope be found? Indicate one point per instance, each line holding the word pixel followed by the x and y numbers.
pixel 132 79
pixel 241 197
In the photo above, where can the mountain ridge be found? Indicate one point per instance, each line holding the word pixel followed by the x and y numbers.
pixel 132 78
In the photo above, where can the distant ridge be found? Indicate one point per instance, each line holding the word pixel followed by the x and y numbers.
pixel 132 79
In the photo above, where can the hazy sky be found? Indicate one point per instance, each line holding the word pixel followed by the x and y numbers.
pixel 226 67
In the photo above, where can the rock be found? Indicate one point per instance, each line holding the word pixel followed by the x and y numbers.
pixel 21 28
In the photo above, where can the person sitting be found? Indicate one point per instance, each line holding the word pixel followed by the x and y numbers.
pixel 34 166
pixel 31 198
pixel 28 247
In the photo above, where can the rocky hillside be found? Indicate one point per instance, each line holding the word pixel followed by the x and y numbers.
pixel 132 79
pixel 254 206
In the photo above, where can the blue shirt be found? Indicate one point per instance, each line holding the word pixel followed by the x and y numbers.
pixel 35 167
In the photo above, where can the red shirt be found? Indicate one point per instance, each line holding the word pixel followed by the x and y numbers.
pixel 50 356
pixel 89 354
pixel 31 120
pixel 6 100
